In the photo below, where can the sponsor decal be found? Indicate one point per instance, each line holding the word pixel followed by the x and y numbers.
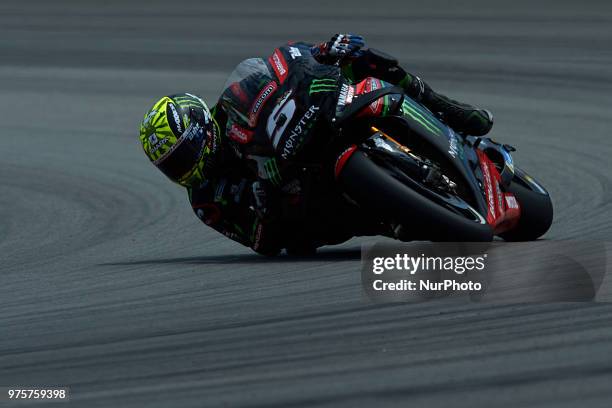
pixel 500 202
pixel 346 96
pixel 488 186
pixel 211 140
pixel 279 65
pixel 294 52
pixel 511 214
pixel 239 134
pixel 349 95
pixel 195 130
pixel 414 111
pixel 176 117
pixel 296 136
pixel 260 100
pixel 366 86
pixel 500 216
pixel 453 148
pixel 377 104
pixel 158 145
pixel 272 172
pixel 511 202
pixel 153 139
pixel 323 85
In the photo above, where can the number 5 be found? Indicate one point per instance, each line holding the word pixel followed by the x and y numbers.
pixel 276 127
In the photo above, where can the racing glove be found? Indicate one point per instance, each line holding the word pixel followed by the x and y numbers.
pixel 339 48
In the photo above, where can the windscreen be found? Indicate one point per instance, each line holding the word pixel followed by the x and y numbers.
pixel 255 67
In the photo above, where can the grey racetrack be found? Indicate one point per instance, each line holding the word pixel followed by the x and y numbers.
pixel 110 285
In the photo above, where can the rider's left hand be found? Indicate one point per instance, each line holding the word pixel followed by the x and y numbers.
pixel 345 45
pixel 341 46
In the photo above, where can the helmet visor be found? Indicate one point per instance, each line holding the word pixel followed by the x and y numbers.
pixel 185 154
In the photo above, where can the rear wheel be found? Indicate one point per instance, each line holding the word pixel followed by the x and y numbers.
pixel 536 214
pixel 374 189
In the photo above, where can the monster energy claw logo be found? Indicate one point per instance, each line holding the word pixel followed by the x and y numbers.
pixel 322 85
pixel 420 117
pixel 272 172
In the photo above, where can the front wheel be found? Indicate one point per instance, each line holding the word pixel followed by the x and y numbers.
pixel 377 191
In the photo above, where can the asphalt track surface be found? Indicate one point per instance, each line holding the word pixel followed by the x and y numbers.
pixel 110 285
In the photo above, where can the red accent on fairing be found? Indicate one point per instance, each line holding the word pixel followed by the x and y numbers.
pixel 240 134
pixel 277 60
pixel 504 210
pixel 368 85
pixel 513 213
pixel 342 159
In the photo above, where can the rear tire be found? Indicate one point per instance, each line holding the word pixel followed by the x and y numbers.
pixel 376 190
pixel 536 214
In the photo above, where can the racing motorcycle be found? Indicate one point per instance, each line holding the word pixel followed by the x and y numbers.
pixel 407 172
pixel 428 179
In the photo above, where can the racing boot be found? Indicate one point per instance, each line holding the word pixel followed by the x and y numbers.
pixel 463 118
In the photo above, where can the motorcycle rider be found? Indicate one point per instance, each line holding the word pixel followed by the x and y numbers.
pixel 207 151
